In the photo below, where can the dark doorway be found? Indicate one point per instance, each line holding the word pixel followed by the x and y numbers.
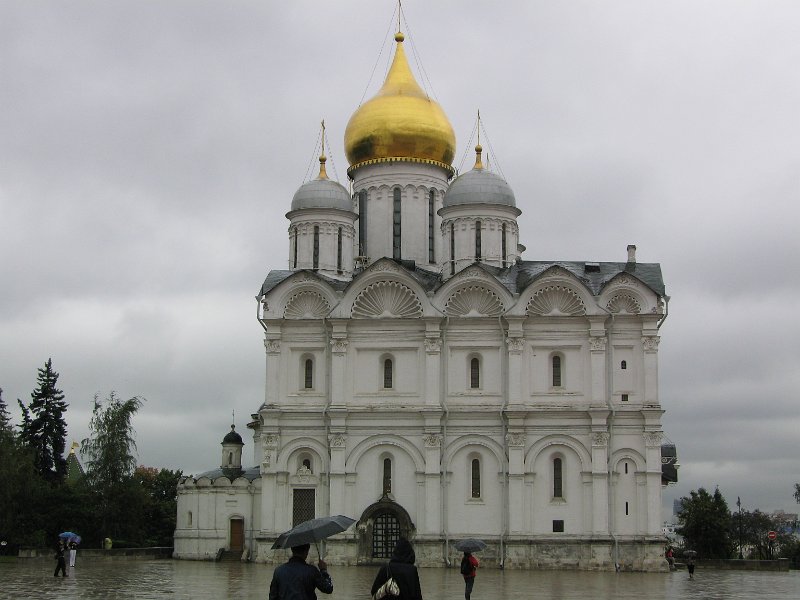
pixel 385 533
pixel 237 535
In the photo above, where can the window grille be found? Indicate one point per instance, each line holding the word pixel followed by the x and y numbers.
pixel 558 488
pixel 396 226
pixel 476 478
pixel 385 534
pixel 556 371
pixel 309 374
pixel 475 373
pixel 302 506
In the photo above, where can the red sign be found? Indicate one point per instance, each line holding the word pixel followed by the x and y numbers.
pixel 772 535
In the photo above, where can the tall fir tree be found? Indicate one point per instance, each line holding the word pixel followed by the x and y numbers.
pixel 5 418
pixel 43 428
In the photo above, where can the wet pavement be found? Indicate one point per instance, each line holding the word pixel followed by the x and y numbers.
pixel 185 580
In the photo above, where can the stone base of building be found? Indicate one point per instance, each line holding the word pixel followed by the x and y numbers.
pixel 542 552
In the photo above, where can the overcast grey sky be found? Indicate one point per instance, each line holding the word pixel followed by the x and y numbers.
pixel 149 151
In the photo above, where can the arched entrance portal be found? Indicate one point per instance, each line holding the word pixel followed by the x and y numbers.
pixel 380 526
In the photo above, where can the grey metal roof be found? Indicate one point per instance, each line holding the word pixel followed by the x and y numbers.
pixel 322 193
pixel 479 186
pixel 250 474
pixel 276 277
pixel 518 276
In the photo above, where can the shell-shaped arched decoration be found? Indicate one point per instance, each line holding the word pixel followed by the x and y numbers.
pixel 474 301
pixel 306 305
pixel 556 301
pixel 623 303
pixel 387 299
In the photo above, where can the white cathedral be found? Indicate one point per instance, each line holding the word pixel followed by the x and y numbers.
pixel 424 379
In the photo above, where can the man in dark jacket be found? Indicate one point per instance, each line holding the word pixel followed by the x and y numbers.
pixel 297 580
pixel 401 568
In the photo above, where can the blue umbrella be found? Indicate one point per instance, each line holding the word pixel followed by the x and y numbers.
pixel 70 537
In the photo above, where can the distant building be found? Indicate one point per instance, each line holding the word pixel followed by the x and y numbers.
pixel 424 379
pixel 75 470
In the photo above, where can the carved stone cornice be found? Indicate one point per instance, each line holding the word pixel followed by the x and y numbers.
pixel 339 345
pixel 653 438
pixel 650 343
pixel 515 345
pixel 432 440
pixel 515 440
pixel 597 343
pixel 433 345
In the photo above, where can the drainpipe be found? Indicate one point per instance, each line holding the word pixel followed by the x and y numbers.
pixel 609 401
pixel 504 515
pixel 328 401
pixel 666 313
pixel 443 404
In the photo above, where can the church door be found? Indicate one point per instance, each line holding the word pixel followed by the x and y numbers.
pixel 385 533
pixel 237 535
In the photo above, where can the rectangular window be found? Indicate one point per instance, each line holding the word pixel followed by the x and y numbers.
pixel 302 506
pixel 624 397
pixel 558 526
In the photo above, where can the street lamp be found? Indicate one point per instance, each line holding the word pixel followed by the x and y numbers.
pixel 739 504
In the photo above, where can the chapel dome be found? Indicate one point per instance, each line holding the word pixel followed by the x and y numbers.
pixel 479 186
pixel 322 193
pixel 400 122
pixel 232 437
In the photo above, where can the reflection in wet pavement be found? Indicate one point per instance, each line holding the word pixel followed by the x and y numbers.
pixel 185 580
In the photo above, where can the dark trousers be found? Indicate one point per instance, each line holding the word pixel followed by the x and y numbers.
pixel 469 582
pixel 61 566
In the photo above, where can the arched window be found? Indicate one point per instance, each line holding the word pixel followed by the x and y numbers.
pixel 477 241
pixel 452 249
pixel 307 463
pixel 431 214
pixel 316 247
pixel 230 458
pixel 396 226
pixel 387 476
pixel 339 251
pixel 557 365
pixel 362 223
pixel 475 476
pixel 475 373
pixel 558 478
pixel 623 365
pixel 189 519
pixel 308 374
pixel 387 374
pixel 503 244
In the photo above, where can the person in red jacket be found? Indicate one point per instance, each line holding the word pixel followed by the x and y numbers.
pixel 469 564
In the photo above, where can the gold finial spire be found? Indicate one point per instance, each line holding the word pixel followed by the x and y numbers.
pixel 75 446
pixel 478 147
pixel 322 157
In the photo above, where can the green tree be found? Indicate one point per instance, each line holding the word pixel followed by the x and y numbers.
pixel 797 492
pixel 705 523
pixel 110 462
pixel 43 428
pixel 160 509
pixel 5 418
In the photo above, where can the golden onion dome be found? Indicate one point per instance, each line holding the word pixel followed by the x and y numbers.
pixel 400 123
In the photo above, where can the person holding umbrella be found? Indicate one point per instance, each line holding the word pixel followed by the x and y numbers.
pixel 469 564
pixel 61 565
pixel 298 580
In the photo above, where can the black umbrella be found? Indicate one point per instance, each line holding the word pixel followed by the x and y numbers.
pixel 313 531
pixel 471 545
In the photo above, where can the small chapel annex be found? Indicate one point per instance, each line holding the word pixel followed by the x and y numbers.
pixel 426 380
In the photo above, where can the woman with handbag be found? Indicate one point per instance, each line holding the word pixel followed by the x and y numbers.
pixel 398 579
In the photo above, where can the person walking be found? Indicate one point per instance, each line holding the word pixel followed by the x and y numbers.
pixel 61 565
pixel 469 565
pixel 690 566
pixel 298 580
pixel 401 568
pixel 73 551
